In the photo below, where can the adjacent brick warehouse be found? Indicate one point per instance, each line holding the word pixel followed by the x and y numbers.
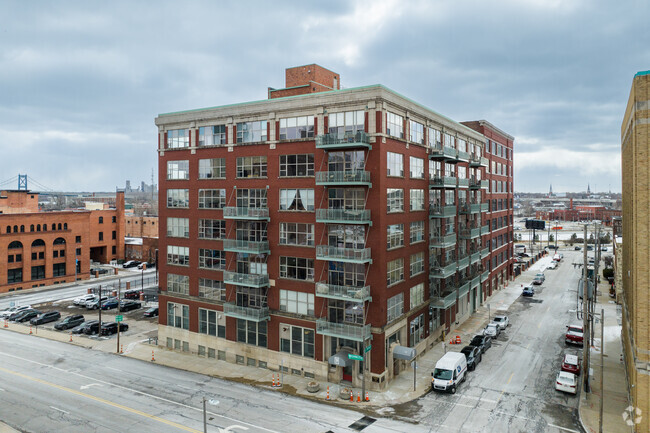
pixel 635 132
pixel 301 229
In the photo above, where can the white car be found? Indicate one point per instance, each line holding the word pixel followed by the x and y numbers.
pixel 502 321
pixel 11 310
pixel 492 330
pixel 566 382
pixel 552 265
pixel 81 300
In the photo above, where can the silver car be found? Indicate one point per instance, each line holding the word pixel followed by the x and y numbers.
pixel 492 330
pixel 501 321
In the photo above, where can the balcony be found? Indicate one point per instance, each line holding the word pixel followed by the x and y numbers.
pixel 463 287
pixel 230 309
pixel 485 252
pixel 343 216
pixel 343 330
pixel 474 183
pixel 467 208
pixel 442 152
pixel 343 293
pixel 463 261
pixel 469 232
pixel 444 301
pixel 442 211
pixel 442 241
pixel 248 280
pixel 485 207
pixel 476 281
pixel 475 257
pixel 442 182
pixel 343 178
pixel 343 141
pixel 442 269
pixel 485 229
pixel 246 213
pixel 240 246
pixel 484 162
pixel 463 183
pixel 463 156
pixel 485 276
pixel 348 255
pixel 474 160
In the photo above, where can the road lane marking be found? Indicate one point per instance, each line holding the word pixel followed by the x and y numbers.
pixel 60 410
pixel 563 428
pixel 503 390
pixel 100 400
pixel 89 385
pixel 511 377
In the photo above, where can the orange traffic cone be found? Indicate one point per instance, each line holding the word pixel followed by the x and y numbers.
pixel 328 393
pixel 358 397
pixel 121 347
pixel 458 339
pixel 451 341
pixel 152 358
pixel 6 325
pixel 351 396
pixel 70 341
pixel 273 381
pixel 367 396
pixel 30 330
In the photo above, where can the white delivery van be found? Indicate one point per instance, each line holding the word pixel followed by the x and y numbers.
pixel 450 371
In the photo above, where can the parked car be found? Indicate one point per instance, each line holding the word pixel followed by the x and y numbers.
pixel 473 356
pixel 110 303
pixel 69 322
pixel 566 382
pixel 552 265
pixel 50 316
pixel 603 249
pixel 450 371
pixel 151 312
pixel 590 247
pixel 552 247
pixel 574 335
pixel 93 304
pixel 26 315
pixel 81 300
pixel 557 258
pixel 129 305
pixel 571 364
pixel 149 265
pixel 130 264
pixel 110 328
pixel 502 321
pixel 528 291
pixel 132 294
pixel 492 329
pixel 577 248
pixel 12 310
pixel 539 279
pixel 80 329
pixel 483 342
pixel 91 328
pixel 99 271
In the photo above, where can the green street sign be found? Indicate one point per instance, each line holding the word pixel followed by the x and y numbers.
pixel 355 357
pixel 119 318
pixel 368 348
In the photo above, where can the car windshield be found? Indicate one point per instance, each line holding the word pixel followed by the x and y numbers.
pixel 441 374
pixel 477 340
pixel 498 319
pixel 574 329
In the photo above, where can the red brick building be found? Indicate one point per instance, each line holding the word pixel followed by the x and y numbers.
pixel 308 227
pixel 41 248
pixel 580 213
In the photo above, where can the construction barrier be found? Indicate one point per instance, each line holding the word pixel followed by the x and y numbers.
pixel 328 393
pixel 458 339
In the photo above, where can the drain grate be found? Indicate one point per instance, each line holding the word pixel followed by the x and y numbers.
pixel 362 423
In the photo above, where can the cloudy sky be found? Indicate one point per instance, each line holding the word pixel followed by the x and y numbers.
pixel 81 82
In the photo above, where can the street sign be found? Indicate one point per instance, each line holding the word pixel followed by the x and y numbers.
pixel 355 357
pixel 556 228
pixel 368 348
pixel 119 318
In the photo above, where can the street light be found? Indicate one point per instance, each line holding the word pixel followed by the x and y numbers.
pixel 205 413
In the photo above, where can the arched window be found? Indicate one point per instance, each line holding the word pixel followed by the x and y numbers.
pixel 15 229
pixel 44 227
pixel 22 229
pixel 38 243
pixel 38 228
pixel 8 229
pixel 59 241
pixel 101 220
pixel 53 226
pixel 31 228
pixel 65 226
pixel 15 245
pixel 59 226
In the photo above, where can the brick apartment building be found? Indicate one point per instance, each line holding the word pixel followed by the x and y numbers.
pixel 325 222
pixel 635 139
pixel 41 248
pixel 580 213
pixel 141 236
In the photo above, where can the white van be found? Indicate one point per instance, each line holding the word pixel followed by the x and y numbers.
pixel 450 371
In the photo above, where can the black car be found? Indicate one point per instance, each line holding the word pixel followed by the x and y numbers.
pixel 577 248
pixel 69 322
pixel 132 294
pixel 26 315
pixel 79 329
pixel 129 305
pixel 131 264
pixel 110 328
pixel 91 328
pixel 473 356
pixel 528 291
pixel 483 342
pixel 99 271
pixel 50 316
pixel 151 312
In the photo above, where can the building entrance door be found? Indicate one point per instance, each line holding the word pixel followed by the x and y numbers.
pixel 347 373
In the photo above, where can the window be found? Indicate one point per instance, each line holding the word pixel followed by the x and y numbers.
pixel 212 198
pixel 101 220
pixel 297 268
pixel 250 132
pixel 293 128
pixel 212 289
pixel 395 200
pixel 297 165
pixel 416 168
pixel 113 219
pixel 395 236
pixel 417 263
pixel 416 330
pixel 78 251
pixel 113 234
pixel 14 276
pixel 178 284
pixel 77 239
pixel 113 250
pixel 178 255
pixel 395 307
pixel 178 198
pixel 250 332
pixel 297 340
pixel 297 302
pixel 178 138
pixel 394 125
pixel 297 199
pixel 296 234
pixel 251 198
pixel 38 272
pixel 416 132
pixel 435 138
pixel 395 271
pixel 416 197
pixel 417 231
pixel 212 135
pixel 212 229
pixel 58 270
pixel 214 168
pixel 347 123
pixel 212 259
pixel 178 315
pixel 209 323
pixel 417 295
pixel 251 166
pixel 101 236
pixel 178 170
pixel 178 227
pixel 395 164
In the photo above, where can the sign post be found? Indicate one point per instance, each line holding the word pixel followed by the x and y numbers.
pixel 118 319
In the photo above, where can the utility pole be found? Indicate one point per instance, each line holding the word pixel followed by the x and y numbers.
pixel 119 292
pixel 602 366
pixel 585 315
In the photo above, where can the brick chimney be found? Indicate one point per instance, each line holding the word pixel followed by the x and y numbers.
pixel 302 80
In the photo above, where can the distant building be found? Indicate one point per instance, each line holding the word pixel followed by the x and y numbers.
pixel 579 213
pixel 141 238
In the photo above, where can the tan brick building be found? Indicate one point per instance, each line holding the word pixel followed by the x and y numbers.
pixel 635 132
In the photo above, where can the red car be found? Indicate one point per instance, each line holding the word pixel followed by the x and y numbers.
pixel 574 334
pixel 571 364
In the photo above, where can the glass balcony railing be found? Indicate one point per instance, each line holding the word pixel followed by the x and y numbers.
pixel 485 252
pixel 463 261
pixel 485 229
pixel 442 241
pixel 463 287
pixel 442 269
pixel 343 178
pixel 485 207
pixel 476 281
pixel 469 233
pixel 444 301
pixel 484 161
pixel 248 280
pixel 230 309
pixel 436 211
pixel 344 293
pixel 338 254
pixel 463 183
pixel 246 213
pixel 475 257
pixel 463 156
pixel 341 141
pixel 343 330
pixel 442 182
pixel 442 152
pixel 343 216
pixel 240 246
pixel 485 276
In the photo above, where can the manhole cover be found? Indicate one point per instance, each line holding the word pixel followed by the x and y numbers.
pixel 362 423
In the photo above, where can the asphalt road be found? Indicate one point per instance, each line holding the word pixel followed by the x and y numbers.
pixel 512 389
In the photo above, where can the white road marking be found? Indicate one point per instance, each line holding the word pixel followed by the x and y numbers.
pixel 89 385
pixel 115 369
pixel 478 398
pixel 60 410
pixel 563 428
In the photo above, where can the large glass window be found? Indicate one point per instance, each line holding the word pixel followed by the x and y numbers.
pixel 395 164
pixel 14 276
pixel 346 123
pixel 395 235
pixel 416 132
pixel 297 268
pixel 435 138
pixel 395 200
pixel 250 332
pixel 212 259
pixel 395 271
pixel 395 307
pixel 417 295
pixel 251 198
pixel 212 322
pixel 293 128
pixel 416 167
pixel 297 302
pixel 297 165
pixel 296 234
pixel 212 289
pixel 38 272
pixel 177 138
pixel 417 231
pixel 297 199
pixel 348 161
pixel 416 197
pixel 178 170
pixel 214 168
pixel 212 229
pixel 250 132
pixel 178 227
pixel 417 328
pixel 178 315
pixel 394 125
pixel 417 263
pixel 251 166
pixel 178 198
pixel 178 284
pixel 178 255
pixel 297 341
pixel 212 135
pixel 58 269
pixel 212 198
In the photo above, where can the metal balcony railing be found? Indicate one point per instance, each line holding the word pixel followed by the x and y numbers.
pixel 343 330
pixel 439 151
pixel 344 293
pixel 246 213
pixel 442 241
pixel 343 178
pixel 248 280
pixel 230 309
pixel 444 300
pixel 443 182
pixel 241 246
pixel 339 254
pixel 343 216
pixel 339 141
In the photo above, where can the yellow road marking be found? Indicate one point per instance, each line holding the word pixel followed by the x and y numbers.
pixel 503 390
pixel 101 400
pixel 539 324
